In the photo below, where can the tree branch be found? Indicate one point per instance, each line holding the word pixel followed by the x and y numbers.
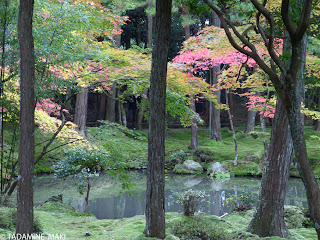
pixel 291 28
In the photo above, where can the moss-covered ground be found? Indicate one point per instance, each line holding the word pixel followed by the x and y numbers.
pixel 55 218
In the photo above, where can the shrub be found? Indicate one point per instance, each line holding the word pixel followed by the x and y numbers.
pixel 197 227
pixel 242 201
pixel 190 200
pixel 177 156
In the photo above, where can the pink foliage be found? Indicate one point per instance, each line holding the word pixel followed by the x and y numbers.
pixel 50 107
pixel 259 104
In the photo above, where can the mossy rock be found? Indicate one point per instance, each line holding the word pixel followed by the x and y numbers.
pixel 242 168
pixel 180 170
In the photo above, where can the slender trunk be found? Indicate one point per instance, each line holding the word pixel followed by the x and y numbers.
pixel 214 113
pixel 26 119
pixel 142 108
pixel 80 116
pixel 155 195
pixel 87 197
pixel 232 129
pixel 150 23
pixel 102 106
pixel 111 104
pixel 117 39
pixel 316 127
pixel 268 219
pixel 251 119
pixel 194 127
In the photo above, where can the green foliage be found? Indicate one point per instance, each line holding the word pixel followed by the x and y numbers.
pixel 190 201
pixel 82 163
pixel 128 148
pixel 244 200
pixel 197 227
pixel 177 156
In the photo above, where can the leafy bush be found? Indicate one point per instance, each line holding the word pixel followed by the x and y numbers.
pixel 197 227
pixel 177 156
pixel 242 201
pixel 190 200
pixel 82 163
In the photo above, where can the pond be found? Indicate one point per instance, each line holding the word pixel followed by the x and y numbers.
pixel 107 203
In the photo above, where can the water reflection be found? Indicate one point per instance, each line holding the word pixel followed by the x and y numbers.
pixel 121 206
pixel 106 202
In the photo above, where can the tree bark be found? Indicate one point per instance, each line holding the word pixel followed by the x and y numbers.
pixel 142 109
pixel 155 195
pixel 26 119
pixel 235 161
pixel 194 127
pixel 80 116
pixel 316 127
pixel 150 23
pixel 268 219
pixel 214 115
pixel 251 120
pixel 102 106
pixel 111 104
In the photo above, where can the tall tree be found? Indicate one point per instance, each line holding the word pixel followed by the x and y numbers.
pixel 155 195
pixel 26 119
pixel 80 116
pixel 287 87
pixel 214 111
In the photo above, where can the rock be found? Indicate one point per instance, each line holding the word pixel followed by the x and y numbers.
pixel 57 198
pixel 172 237
pixel 87 234
pixel 188 167
pixel 250 157
pixel 216 168
pixel 191 165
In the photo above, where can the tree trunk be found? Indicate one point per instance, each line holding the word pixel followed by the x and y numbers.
pixel 235 161
pixel 251 120
pixel 111 104
pixel 316 127
pixel 194 127
pixel 268 219
pixel 214 112
pixel 142 108
pixel 117 39
pixel 150 23
pixel 102 106
pixel 26 120
pixel 80 116
pixel 155 195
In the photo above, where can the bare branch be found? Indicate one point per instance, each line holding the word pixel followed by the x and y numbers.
pixel 253 54
pixel 304 20
pixel 270 41
pixel 291 28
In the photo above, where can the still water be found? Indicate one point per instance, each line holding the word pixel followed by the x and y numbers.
pixel 107 203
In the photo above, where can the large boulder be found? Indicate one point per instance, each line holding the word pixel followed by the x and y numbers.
pixel 188 167
pixel 216 168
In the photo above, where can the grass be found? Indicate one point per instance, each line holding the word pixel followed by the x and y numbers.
pixel 60 219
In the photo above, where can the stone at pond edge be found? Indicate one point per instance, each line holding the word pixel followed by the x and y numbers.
pixel 172 237
pixel 188 167
pixel 216 168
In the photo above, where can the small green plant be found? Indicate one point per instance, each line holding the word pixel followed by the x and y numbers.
pixel 190 201
pixel 177 156
pixel 242 201
pixel 198 227
pixel 83 164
